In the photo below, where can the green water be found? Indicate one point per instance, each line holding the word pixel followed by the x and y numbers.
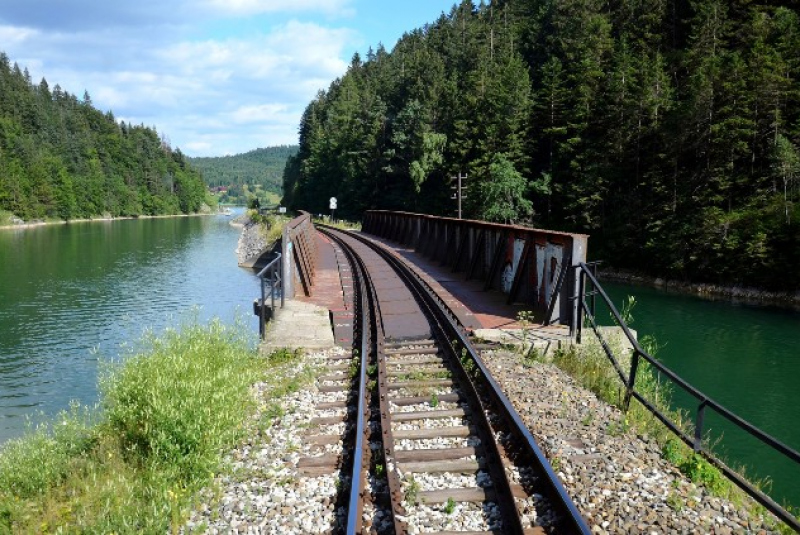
pixel 72 295
pixel 745 357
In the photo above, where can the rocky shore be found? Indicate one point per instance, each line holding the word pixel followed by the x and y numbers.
pixel 251 241
pixel 711 291
pixel 15 223
pixel 618 479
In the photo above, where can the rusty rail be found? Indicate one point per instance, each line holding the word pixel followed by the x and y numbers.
pixel 529 265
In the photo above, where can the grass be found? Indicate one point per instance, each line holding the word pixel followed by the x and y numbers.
pixel 421 375
pixel 133 463
pixel 450 506
pixel 412 490
pixel 271 226
pixel 339 223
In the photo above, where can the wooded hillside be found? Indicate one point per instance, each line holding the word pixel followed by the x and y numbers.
pixel 262 167
pixel 667 129
pixel 60 157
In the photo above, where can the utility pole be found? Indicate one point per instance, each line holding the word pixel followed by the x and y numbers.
pixel 459 194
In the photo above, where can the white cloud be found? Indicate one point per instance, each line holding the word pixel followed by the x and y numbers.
pixel 211 88
pixel 258 113
pixel 198 146
pixel 295 47
pixel 12 35
pixel 256 7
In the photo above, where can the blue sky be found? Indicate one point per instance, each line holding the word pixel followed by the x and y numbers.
pixel 214 77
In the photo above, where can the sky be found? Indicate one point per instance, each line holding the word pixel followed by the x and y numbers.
pixel 214 77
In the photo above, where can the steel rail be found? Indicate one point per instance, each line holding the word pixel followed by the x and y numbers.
pixel 497 471
pixel 393 480
pixel 365 326
pixel 502 484
pixel 572 521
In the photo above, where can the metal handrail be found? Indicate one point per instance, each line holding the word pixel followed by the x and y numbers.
pixel 584 271
pixel 271 277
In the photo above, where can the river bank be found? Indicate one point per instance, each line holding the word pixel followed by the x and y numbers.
pixel 39 223
pixel 132 462
pixel 252 240
pixel 705 290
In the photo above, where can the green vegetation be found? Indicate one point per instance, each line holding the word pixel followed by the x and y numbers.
pixel 61 158
pixel 133 464
pixel 590 366
pixel 669 131
pixel 248 195
pixel 450 506
pixel 257 173
pixel 339 223
pixel 271 224
pixel 412 489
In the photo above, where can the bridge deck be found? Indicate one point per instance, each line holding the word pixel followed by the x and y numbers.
pixel 483 312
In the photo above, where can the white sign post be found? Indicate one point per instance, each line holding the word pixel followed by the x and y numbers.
pixel 333 207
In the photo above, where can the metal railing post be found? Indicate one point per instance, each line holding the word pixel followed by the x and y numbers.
pixel 262 322
pixel 579 309
pixel 594 293
pixel 270 272
pixel 272 282
pixel 283 284
pixel 698 426
pixel 631 379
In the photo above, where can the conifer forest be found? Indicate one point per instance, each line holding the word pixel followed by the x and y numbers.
pixel 61 158
pixel 668 130
pixel 260 167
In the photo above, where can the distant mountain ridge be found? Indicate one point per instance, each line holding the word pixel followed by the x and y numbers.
pixel 263 166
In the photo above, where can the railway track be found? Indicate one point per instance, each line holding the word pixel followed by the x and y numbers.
pixel 431 444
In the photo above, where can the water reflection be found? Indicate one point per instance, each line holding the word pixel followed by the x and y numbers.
pixel 70 295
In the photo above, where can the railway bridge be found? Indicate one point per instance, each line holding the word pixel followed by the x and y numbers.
pixel 420 303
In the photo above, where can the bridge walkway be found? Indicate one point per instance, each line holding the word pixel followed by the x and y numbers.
pixel 484 313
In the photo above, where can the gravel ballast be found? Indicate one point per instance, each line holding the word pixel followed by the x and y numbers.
pixel 618 480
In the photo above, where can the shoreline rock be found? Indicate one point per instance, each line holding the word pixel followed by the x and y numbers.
pixel 17 223
pixel 707 291
pixel 252 243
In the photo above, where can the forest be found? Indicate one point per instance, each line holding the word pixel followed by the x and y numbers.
pixel 61 158
pixel 242 174
pixel 667 130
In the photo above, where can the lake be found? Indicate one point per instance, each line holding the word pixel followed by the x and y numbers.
pixel 72 295
pixel 744 356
